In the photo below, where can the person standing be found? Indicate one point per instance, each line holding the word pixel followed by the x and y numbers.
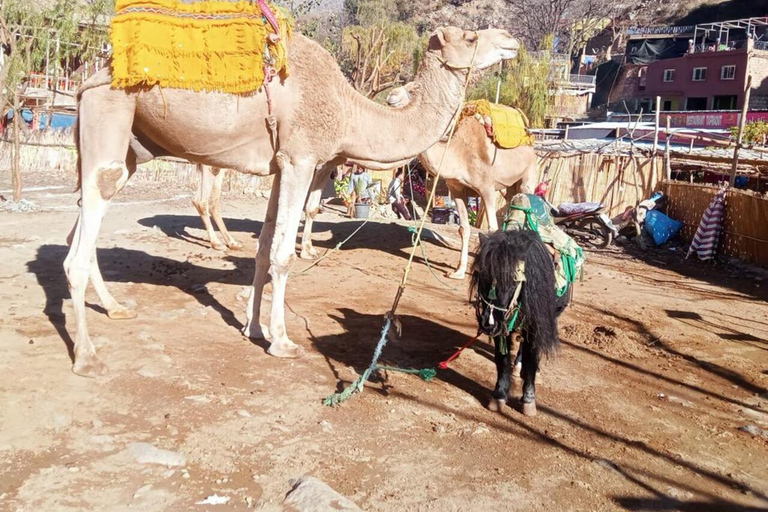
pixel 395 196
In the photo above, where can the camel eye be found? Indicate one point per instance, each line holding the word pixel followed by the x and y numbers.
pixel 470 37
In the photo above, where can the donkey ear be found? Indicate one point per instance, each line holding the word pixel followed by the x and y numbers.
pixel 483 238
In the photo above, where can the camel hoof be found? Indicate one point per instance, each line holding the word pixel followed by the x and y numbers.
pixel 305 255
pixel 517 370
pixel 256 332
pixel 122 313
pixel 91 367
pixel 529 409
pixel 235 246
pixel 286 350
pixel 218 246
pixel 459 276
pixel 496 404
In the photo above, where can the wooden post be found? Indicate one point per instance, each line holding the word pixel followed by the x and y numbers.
pixel 690 148
pixel 16 164
pixel 742 122
pixel 498 84
pixel 667 157
pixel 656 126
pixel 565 137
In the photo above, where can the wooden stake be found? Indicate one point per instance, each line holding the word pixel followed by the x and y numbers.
pixel 742 122
pixel 667 158
pixel 16 165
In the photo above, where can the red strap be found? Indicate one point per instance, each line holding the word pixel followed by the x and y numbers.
pixel 443 365
pixel 271 18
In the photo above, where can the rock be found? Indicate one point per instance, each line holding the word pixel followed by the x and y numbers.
pixel 481 430
pixel 754 431
pixel 243 413
pixel 308 494
pixel 142 491
pixel 214 499
pixel 244 294
pixel 198 288
pixel 145 453
pixel 326 426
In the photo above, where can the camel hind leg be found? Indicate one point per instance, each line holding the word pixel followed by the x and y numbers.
pixel 103 146
pixel 459 194
pixel 312 208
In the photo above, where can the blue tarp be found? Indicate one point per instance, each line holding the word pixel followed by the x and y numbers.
pixel 59 120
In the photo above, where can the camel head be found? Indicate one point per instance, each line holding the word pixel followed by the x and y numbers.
pixel 456 47
pixel 399 97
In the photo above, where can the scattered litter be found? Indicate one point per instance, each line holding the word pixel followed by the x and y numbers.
pixel 754 431
pixel 23 206
pixel 214 499
pixel 145 453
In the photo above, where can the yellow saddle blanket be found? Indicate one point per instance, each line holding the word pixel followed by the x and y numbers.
pixel 507 126
pixel 212 46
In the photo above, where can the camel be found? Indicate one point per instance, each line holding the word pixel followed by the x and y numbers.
pixel 474 162
pixel 207 203
pixel 320 121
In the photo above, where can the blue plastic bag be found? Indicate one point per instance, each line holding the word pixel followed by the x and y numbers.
pixel 661 227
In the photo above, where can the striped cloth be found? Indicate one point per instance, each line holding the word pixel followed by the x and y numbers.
pixel 705 242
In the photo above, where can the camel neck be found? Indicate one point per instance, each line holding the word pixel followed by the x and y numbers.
pixel 382 134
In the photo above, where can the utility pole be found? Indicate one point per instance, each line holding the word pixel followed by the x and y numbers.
pixel 742 122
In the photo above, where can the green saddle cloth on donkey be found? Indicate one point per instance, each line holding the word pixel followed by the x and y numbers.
pixel 532 212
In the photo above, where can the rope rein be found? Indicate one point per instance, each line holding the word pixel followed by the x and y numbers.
pixel 390 319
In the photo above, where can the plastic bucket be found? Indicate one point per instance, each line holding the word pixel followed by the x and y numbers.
pixel 362 210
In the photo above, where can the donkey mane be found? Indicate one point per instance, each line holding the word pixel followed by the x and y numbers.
pixel 495 264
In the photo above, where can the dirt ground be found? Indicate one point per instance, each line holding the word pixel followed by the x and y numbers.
pixel 662 362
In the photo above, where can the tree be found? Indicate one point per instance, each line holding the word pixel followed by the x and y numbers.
pixel 378 51
pixel 526 84
pixel 36 31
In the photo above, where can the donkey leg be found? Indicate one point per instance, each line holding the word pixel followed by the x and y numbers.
pixel 502 346
pixel 518 364
pixel 530 367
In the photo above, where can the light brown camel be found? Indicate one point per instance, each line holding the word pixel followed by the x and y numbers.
pixel 207 202
pixel 474 162
pixel 321 121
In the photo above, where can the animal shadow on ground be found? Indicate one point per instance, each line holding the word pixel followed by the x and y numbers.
pixel 130 266
pixel 391 238
pixel 423 344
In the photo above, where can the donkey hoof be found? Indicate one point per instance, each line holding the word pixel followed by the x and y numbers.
pixel 496 404
pixel 286 350
pixel 529 409
pixel 122 313
pixel 91 367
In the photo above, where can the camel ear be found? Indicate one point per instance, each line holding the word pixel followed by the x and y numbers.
pixel 441 36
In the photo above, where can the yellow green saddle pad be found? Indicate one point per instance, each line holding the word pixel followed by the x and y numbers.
pixel 211 46
pixel 507 126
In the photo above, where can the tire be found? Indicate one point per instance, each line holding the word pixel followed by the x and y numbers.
pixel 591 232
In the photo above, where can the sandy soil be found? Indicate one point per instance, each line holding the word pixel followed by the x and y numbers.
pixel 661 363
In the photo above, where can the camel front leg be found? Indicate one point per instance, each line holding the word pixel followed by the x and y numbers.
pixel 459 194
pixel 312 208
pixel 253 327
pixel 215 205
pixel 489 198
pixel 296 178
pixel 202 195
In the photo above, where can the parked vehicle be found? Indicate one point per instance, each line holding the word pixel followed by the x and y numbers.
pixel 585 222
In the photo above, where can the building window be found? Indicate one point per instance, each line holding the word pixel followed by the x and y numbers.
pixel 696 104
pixel 725 102
pixel 669 75
pixel 699 74
pixel 728 72
pixel 666 105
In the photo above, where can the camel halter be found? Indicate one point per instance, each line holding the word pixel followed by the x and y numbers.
pixel 454 67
